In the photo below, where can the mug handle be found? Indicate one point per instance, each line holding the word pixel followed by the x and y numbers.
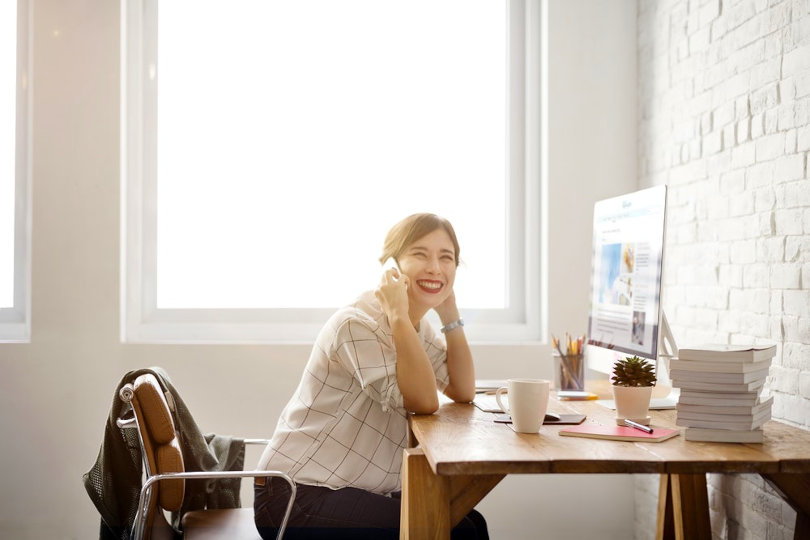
pixel 498 393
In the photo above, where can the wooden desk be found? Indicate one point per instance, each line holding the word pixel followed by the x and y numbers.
pixel 463 454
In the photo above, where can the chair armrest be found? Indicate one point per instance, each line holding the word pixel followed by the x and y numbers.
pixel 146 489
pixel 126 423
pixel 217 474
pixel 257 441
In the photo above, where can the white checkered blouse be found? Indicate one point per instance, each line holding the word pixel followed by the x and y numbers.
pixel 345 425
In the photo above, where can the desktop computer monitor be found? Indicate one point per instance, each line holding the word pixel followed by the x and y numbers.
pixel 625 316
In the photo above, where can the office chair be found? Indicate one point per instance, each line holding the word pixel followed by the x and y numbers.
pixel 164 487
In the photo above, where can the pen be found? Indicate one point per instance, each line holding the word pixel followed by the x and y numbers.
pixel 556 344
pixel 646 429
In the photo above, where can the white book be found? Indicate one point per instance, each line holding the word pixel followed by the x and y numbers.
pixel 724 435
pixel 698 397
pixel 728 353
pixel 718 367
pixel 725 409
pixel 723 388
pixel 737 378
pixel 723 418
pixel 714 424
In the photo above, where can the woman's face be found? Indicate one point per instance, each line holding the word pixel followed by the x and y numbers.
pixel 430 264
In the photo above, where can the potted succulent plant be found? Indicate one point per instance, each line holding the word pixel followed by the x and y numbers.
pixel 633 380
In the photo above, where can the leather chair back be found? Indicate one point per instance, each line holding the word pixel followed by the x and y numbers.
pixel 161 448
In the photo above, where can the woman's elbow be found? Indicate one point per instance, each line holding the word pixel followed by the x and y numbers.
pixel 460 396
pixel 422 406
pixel 464 398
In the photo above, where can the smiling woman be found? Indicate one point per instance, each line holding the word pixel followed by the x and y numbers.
pixel 342 434
pixel 426 263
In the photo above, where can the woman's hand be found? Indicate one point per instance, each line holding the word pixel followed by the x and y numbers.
pixel 447 310
pixel 392 294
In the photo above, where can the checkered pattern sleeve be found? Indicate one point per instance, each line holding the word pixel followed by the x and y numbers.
pixel 364 351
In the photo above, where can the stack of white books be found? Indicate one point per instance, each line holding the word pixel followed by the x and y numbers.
pixel 721 388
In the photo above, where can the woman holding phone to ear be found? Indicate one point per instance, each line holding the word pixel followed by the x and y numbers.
pixel 341 435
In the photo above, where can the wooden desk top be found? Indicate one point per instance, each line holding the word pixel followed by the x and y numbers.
pixel 461 439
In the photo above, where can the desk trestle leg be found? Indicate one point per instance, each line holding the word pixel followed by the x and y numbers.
pixel 425 500
pixel 683 508
pixel 433 504
pixel 794 488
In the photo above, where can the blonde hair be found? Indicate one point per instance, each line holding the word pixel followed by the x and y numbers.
pixel 411 229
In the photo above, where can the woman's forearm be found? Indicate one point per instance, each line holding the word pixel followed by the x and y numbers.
pixel 460 367
pixel 415 376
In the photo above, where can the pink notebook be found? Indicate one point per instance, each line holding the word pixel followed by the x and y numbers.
pixel 619 433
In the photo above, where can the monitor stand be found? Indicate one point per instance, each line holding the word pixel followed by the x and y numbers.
pixel 667 349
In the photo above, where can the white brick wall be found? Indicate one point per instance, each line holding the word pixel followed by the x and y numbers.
pixel 724 120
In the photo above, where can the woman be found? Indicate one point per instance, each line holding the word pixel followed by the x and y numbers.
pixel 341 435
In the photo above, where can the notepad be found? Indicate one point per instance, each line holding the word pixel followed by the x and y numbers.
pixel 619 433
pixel 487 403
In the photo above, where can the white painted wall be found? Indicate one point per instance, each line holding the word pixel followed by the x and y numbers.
pixel 57 390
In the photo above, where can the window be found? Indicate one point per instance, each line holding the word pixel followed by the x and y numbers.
pixel 267 149
pixel 14 172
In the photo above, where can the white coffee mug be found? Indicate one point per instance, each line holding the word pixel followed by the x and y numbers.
pixel 528 401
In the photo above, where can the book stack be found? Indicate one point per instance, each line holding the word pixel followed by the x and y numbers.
pixel 721 388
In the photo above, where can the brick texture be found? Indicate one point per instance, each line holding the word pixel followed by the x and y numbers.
pixel 724 121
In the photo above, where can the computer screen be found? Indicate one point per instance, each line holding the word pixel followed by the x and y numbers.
pixel 625 303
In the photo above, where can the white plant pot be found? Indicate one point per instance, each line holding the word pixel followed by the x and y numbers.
pixel 632 402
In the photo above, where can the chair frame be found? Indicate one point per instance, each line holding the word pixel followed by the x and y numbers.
pixel 127 393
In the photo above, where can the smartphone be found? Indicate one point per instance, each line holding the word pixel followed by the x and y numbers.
pixel 391 263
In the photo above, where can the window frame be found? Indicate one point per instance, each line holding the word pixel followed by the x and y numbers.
pixel 15 321
pixel 144 322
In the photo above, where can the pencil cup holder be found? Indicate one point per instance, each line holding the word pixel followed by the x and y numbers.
pixel 569 372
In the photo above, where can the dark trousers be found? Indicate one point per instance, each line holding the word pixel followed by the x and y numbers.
pixel 350 513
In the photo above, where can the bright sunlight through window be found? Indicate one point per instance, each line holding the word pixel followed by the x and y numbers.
pixel 8 123
pixel 292 135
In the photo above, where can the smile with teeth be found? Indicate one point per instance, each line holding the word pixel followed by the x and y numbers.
pixel 429 286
